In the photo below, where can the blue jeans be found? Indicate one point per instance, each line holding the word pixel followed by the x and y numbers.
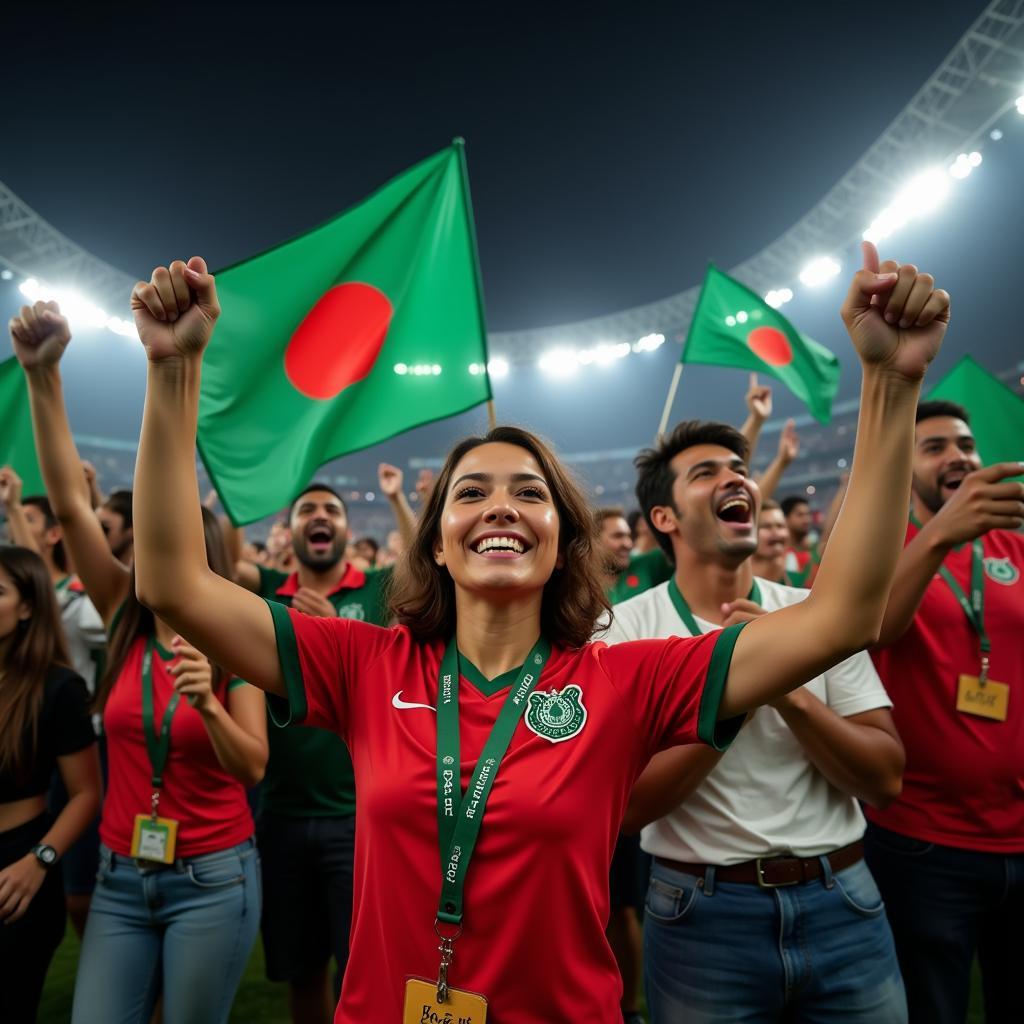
pixel 718 952
pixel 185 929
pixel 945 904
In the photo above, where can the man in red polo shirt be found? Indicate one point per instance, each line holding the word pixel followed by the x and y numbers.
pixel 306 826
pixel 948 854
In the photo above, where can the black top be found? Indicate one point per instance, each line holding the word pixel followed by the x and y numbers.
pixel 65 727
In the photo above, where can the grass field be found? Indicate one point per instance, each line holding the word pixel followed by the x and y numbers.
pixel 258 1001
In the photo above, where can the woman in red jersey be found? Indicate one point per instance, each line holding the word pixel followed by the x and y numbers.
pixel 177 902
pixel 494 747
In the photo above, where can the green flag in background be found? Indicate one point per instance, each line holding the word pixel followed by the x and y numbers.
pixel 348 335
pixel 17 449
pixel 997 414
pixel 733 326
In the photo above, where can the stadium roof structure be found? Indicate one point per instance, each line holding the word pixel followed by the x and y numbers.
pixel 975 85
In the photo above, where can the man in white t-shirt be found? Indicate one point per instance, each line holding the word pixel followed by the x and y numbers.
pixel 760 907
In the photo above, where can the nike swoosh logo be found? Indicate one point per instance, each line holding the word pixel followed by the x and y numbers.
pixel 397 702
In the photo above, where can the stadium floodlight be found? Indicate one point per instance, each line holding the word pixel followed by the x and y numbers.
pixel 996 134
pixel 649 342
pixel 742 317
pixel 401 369
pixel 78 309
pixel 559 362
pixel 921 195
pixel 779 297
pixel 604 354
pixel 819 271
pixel 1020 104
pixel 730 321
pixel 476 369
pixel 6 274
pixel 497 367
pixel 964 164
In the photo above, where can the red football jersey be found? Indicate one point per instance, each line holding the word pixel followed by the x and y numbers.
pixel 209 805
pixel 537 888
pixel 964 781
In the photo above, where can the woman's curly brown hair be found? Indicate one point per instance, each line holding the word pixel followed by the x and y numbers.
pixel 423 593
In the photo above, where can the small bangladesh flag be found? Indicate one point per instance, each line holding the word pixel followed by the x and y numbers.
pixel 733 326
pixel 17 447
pixel 357 331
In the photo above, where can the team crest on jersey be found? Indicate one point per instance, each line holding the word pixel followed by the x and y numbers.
pixel 1002 570
pixel 556 715
pixel 352 611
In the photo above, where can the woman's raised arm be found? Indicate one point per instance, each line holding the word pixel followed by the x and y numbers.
pixel 896 319
pixel 175 313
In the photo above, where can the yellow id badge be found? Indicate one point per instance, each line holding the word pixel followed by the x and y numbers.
pixel 154 840
pixel 987 700
pixel 422 1007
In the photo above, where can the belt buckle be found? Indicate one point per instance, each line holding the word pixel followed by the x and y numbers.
pixel 762 884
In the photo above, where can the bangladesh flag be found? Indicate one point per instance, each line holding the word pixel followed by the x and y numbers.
pixel 17 448
pixel 357 331
pixel 735 327
pixel 997 414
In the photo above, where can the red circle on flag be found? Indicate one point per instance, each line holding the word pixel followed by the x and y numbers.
pixel 339 340
pixel 771 345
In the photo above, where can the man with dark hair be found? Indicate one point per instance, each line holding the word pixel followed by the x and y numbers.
pixel 306 826
pixel 802 557
pixel 367 548
pixel 769 560
pixel 949 852
pixel 115 516
pixel 616 543
pixel 760 905
pixel 648 565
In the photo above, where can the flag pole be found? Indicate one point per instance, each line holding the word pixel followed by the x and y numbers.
pixel 492 416
pixel 672 388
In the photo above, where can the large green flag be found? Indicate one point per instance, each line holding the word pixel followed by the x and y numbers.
pixel 733 326
pixel 17 448
pixel 997 414
pixel 363 328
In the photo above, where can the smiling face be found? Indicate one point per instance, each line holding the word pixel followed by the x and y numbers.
pixel 944 453
pixel 499 526
pixel 13 607
pixel 772 534
pixel 319 530
pixel 617 541
pixel 715 505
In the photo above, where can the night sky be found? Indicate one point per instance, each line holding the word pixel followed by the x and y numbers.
pixel 613 149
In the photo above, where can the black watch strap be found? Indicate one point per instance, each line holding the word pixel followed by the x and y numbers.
pixel 45 854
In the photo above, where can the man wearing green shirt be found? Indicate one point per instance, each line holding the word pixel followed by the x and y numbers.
pixel 306 828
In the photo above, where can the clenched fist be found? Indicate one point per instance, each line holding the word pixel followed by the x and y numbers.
pixel 176 309
pixel 896 316
pixel 39 335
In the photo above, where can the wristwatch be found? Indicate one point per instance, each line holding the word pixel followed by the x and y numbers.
pixel 46 855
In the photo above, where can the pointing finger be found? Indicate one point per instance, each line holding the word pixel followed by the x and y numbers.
pixel 870 256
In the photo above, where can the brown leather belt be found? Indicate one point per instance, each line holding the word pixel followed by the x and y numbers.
pixel 772 872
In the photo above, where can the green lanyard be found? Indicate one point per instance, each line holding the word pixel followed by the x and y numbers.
pixel 459 817
pixel 158 747
pixel 684 609
pixel 974 608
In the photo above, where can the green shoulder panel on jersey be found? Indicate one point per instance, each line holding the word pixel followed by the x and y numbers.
pixel 645 571
pixel 270 580
pixel 710 730
pixel 285 711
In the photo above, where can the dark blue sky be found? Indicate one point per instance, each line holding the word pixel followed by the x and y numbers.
pixel 613 150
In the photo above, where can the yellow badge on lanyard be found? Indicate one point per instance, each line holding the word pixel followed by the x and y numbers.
pixel 154 839
pixel 987 699
pixel 459 1007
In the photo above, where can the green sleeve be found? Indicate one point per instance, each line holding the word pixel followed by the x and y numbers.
pixel 291 709
pixel 715 733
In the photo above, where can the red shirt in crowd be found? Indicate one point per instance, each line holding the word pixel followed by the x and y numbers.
pixel 209 805
pixel 537 887
pixel 964 781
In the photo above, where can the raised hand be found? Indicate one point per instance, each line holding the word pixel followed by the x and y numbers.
pixel 789 442
pixel 10 488
pixel 193 676
pixel 389 479
pixel 425 484
pixel 759 399
pixel 896 316
pixel 741 610
pixel 39 335
pixel 176 309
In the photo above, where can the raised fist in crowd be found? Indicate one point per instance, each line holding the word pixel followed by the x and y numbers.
pixel 176 309
pixel 39 335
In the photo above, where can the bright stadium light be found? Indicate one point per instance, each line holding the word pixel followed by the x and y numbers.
pixel 921 195
pixel 476 369
pixel 819 271
pixel 964 164
pixel 779 297
pixel 401 369
pixel 996 134
pixel 6 274
pixel 730 321
pixel 78 309
pixel 1020 104
pixel 559 362
pixel 649 342
pixel 741 317
pixel 497 367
